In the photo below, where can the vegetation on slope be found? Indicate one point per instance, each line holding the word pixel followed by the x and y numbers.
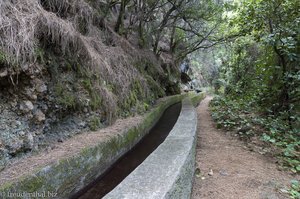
pixel 255 73
pixel 258 79
pixel 67 66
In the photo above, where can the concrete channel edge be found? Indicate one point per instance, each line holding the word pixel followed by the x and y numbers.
pixel 168 172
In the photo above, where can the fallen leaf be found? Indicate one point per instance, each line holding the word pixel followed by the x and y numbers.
pixel 284 191
pixel 198 173
pixel 210 173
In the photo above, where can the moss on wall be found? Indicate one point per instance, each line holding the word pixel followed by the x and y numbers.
pixel 196 98
pixel 67 176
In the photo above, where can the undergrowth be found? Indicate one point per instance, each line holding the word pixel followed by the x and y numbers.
pixel 294 191
pixel 247 121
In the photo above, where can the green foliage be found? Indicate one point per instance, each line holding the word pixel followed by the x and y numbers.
pixel 136 102
pixel 295 189
pixel 95 123
pixel 153 76
pixel 271 28
pixel 87 84
pixel 82 26
pixel 94 95
pixel 142 108
pixel 2 57
pixel 96 101
pixel 40 55
pixel 262 78
pixel 65 97
pixel 9 62
pixel 232 114
pixel 242 117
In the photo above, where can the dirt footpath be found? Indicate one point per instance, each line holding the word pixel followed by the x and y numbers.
pixel 228 170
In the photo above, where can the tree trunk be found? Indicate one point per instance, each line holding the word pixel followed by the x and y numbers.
pixel 155 46
pixel 120 22
pixel 141 34
pixel 172 40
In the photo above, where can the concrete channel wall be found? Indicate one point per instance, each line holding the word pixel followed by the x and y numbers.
pixel 168 172
pixel 67 176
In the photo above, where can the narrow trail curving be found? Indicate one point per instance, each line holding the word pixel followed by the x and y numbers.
pixel 228 170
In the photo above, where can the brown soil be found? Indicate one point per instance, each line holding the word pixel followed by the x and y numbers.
pixel 228 170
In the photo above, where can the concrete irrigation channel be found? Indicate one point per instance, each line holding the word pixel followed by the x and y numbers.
pixel 135 163
pixel 168 171
pixel 127 163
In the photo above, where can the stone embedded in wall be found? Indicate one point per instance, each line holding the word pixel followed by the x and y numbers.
pixel 15 124
pixel 40 86
pixel 39 116
pixel 3 73
pixel 26 106
pixel 22 133
pixel 29 141
pixel 30 94
pixel 15 146
pixel 25 67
